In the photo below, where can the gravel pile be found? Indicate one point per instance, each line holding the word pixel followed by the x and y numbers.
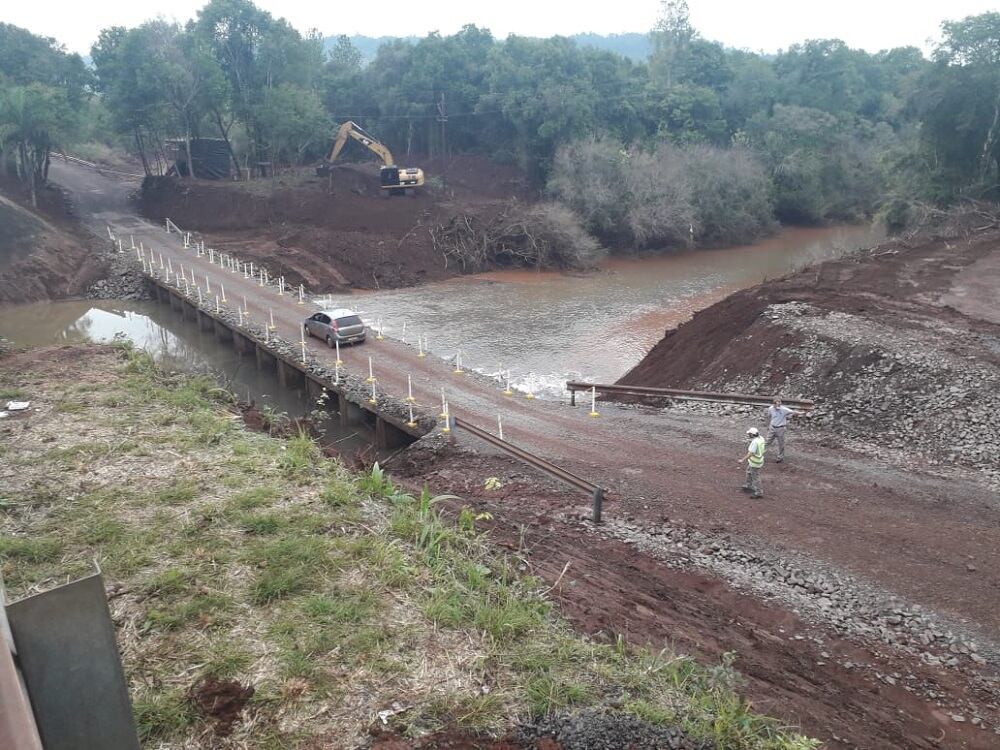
pixel 124 279
pixel 593 729
pixel 924 392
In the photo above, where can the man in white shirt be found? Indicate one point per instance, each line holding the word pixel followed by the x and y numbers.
pixel 778 415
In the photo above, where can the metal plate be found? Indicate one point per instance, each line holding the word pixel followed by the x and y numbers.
pixel 69 657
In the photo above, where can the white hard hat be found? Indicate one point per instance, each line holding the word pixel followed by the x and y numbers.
pixel 753 431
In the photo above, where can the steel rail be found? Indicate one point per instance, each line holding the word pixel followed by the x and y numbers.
pixel 596 491
pixel 682 395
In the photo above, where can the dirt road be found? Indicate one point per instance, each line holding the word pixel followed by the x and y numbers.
pixel 895 533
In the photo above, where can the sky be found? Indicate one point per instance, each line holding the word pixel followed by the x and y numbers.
pixel 759 25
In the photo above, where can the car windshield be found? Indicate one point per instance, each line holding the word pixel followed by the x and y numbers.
pixel 348 320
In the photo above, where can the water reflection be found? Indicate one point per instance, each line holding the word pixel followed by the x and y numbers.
pixel 175 343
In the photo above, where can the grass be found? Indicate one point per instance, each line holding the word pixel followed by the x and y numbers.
pixel 245 557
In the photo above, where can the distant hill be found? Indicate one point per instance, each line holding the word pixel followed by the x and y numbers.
pixel 633 45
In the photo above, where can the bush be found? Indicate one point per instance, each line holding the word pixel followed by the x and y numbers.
pixel 546 235
pixel 691 195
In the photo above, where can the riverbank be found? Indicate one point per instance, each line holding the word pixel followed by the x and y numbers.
pixel 898 345
pixel 44 253
pixel 264 596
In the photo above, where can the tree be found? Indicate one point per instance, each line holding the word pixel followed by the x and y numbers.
pixel 34 120
pixel 256 53
pixel 959 103
pixel 292 120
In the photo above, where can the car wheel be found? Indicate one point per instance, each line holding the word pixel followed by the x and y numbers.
pixel 308 332
pixel 329 341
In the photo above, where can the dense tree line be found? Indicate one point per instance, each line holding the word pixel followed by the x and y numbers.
pixel 698 144
pixel 43 94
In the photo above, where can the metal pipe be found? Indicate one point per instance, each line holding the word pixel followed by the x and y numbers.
pixel 558 472
pixel 683 395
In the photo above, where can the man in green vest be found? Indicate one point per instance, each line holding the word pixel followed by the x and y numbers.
pixel 755 461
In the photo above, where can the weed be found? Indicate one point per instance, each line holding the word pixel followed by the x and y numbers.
pixel 170 582
pixel 179 492
pixel 255 497
pixel 261 524
pixel 339 494
pixel 300 457
pixel 163 715
pixel 36 550
pixel 226 658
pixel 201 608
pixel 547 693
pixel 287 566
pixel 102 529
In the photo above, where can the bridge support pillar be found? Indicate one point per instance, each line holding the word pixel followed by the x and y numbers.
pixel 388 436
pixel 289 376
pixel 243 344
pixel 222 331
pixel 314 389
pixel 264 358
pixel 350 413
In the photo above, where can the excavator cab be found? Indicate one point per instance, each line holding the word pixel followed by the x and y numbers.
pixel 389 176
pixel 398 179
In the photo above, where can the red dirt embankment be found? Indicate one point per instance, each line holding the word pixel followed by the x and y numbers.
pixel 43 251
pixel 899 345
pixel 337 234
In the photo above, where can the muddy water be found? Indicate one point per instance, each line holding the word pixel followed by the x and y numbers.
pixel 176 343
pixel 549 327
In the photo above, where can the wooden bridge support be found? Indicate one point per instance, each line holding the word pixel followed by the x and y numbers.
pixel 388 436
pixel 389 433
pixel 222 331
pixel 265 360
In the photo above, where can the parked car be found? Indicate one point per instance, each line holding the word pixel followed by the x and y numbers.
pixel 332 326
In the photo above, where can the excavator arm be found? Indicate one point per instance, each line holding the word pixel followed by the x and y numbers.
pixel 351 129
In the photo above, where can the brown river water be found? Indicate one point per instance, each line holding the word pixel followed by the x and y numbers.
pixel 548 327
pixel 545 327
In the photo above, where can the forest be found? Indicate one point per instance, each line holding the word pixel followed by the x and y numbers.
pixel 699 145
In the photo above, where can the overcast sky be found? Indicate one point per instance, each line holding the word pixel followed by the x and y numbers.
pixel 766 25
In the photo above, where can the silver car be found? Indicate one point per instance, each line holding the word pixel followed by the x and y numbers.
pixel 341 325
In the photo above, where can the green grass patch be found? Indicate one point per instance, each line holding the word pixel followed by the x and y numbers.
pixel 255 497
pixel 162 715
pixel 262 524
pixel 205 609
pixel 35 550
pixel 179 492
pixel 289 565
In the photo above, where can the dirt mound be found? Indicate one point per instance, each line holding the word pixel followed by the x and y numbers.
pixel 899 346
pixel 338 232
pixel 222 700
pixel 43 252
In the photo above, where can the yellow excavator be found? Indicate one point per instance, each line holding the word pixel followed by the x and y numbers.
pixel 395 180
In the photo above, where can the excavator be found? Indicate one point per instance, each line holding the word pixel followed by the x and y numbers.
pixel 395 180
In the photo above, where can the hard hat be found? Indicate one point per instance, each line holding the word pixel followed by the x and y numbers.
pixel 753 431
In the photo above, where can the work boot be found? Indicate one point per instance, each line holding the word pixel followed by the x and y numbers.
pixel 756 495
pixel 779 459
pixel 746 488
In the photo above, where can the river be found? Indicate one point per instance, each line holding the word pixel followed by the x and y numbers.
pixel 546 327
